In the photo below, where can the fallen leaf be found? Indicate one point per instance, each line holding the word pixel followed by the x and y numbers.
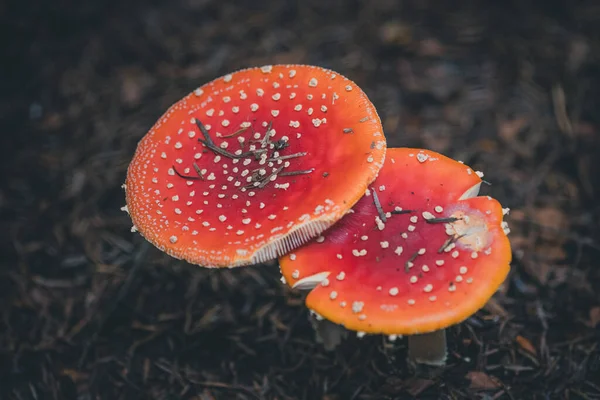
pixel 525 344
pixel 417 386
pixel 595 316
pixel 487 145
pixel 551 253
pixel 554 223
pixel 391 123
pixel 517 215
pixel 482 381
pixel 509 129
pixel 430 47
pixel 206 395
pixel 493 307
pixel 396 32
pixel 538 269
pixel 76 376
pixel 135 83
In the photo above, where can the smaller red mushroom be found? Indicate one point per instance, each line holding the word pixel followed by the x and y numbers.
pixel 419 253
pixel 253 164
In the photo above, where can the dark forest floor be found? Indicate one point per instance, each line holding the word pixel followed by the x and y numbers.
pixel 88 310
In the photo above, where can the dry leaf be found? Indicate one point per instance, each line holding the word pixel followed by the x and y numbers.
pixel 551 253
pixel 396 32
pixel 494 308
pixel 509 129
pixel 541 271
pixel 135 82
pixel 487 145
pixel 517 215
pixel 553 220
pixel 76 376
pixel 431 47
pixel 595 316
pixel 417 386
pixel 525 344
pixel 482 381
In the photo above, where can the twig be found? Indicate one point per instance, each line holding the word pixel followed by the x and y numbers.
pixel 292 173
pixel 450 241
pixel 407 264
pixel 204 132
pixel 200 176
pixel 281 158
pixel 399 212
pixel 264 180
pixel 234 134
pixel 441 220
pixel 265 140
pixel 225 153
pixel 378 206
pixel 138 262
pixel 198 171
pixel 208 142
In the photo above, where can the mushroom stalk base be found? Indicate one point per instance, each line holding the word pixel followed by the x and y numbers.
pixel 330 335
pixel 429 348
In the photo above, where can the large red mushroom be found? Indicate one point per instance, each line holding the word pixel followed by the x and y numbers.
pixel 419 253
pixel 253 164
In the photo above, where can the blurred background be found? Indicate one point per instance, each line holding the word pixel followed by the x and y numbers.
pixel 89 310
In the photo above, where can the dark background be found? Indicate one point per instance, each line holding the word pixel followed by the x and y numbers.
pixel 88 310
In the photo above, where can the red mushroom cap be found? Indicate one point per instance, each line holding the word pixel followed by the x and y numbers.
pixel 208 185
pixel 417 254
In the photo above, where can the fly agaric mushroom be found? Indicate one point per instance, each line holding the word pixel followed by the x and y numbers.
pixel 417 254
pixel 253 164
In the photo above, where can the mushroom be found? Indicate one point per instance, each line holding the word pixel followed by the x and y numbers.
pixel 418 253
pixel 254 164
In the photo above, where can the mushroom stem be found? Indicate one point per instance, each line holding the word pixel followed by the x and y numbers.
pixel 327 333
pixel 429 348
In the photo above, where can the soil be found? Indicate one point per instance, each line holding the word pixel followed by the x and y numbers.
pixel 89 310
